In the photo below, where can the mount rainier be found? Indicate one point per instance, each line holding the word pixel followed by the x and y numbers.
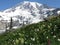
pixel 27 12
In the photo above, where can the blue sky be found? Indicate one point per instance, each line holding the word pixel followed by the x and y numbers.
pixel 4 4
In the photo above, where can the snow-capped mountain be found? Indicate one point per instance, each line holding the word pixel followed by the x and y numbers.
pixel 26 12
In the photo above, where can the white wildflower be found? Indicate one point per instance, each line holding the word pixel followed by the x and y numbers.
pixel 58 39
pixel 33 39
pixel 54 36
pixel 47 37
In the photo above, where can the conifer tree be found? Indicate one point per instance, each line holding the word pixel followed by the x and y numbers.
pixel 6 27
pixel 11 21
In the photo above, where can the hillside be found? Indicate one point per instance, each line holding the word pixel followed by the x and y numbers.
pixel 40 33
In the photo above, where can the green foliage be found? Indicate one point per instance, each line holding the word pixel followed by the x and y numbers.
pixel 34 34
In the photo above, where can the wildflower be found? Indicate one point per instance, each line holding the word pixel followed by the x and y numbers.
pixel 58 39
pixel 33 39
pixel 54 36
pixel 47 37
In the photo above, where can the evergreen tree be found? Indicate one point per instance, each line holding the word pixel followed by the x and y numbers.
pixel 11 21
pixel 6 27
